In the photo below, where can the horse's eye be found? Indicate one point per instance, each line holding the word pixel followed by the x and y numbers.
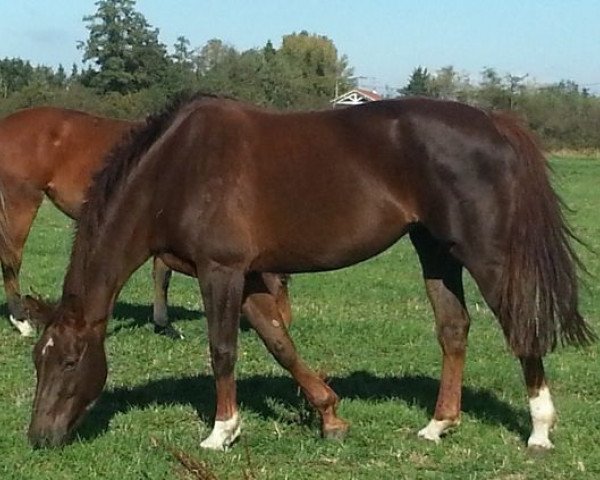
pixel 70 363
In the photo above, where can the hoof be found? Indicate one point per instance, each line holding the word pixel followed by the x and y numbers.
pixel 537 451
pixel 427 434
pixel 436 428
pixel 336 432
pixel 224 434
pixel 23 326
pixel 168 331
pixel 538 446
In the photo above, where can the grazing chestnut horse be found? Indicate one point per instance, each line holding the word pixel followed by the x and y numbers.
pixel 53 152
pixel 226 191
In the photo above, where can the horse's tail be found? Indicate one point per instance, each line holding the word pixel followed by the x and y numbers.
pixel 539 288
pixel 7 249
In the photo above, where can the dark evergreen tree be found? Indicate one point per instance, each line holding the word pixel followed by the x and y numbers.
pixel 419 83
pixel 124 49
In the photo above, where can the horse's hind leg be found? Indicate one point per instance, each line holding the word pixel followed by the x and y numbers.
pixel 443 280
pixel 543 414
pixel 20 207
pixel 278 287
pixel 266 317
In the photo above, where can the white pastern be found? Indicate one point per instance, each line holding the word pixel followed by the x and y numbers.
pixel 224 433
pixel 435 428
pixel 23 326
pixel 543 417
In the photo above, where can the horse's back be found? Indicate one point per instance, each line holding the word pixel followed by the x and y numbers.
pixel 310 181
pixel 287 185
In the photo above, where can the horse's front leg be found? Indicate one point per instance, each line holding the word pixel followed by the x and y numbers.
pixel 20 203
pixel 222 289
pixel 443 280
pixel 268 317
pixel 543 415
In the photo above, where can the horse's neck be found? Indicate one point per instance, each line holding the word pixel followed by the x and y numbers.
pixel 101 263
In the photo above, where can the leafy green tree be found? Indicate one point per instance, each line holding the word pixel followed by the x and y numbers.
pixel 515 88
pixel 312 61
pixel 213 54
pixel 123 48
pixel 419 83
pixel 15 74
pixel 493 92
pixel 562 115
pixel 182 54
pixel 215 64
pixel 181 74
pixel 448 84
pixel 60 77
pixel 269 51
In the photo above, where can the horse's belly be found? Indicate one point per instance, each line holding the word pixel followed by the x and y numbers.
pixel 334 244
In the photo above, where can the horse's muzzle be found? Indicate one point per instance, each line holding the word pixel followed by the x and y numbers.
pixel 48 438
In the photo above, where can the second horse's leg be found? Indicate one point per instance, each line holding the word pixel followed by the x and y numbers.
pixel 19 207
pixel 265 316
pixel 161 275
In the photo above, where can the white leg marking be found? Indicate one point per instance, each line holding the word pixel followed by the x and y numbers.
pixel 543 417
pixel 224 433
pixel 435 428
pixel 23 326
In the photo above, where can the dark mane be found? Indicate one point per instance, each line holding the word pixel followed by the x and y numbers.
pixel 123 158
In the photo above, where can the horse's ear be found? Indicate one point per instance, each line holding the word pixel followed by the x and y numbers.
pixel 40 311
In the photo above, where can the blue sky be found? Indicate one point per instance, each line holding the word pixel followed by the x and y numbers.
pixel 383 39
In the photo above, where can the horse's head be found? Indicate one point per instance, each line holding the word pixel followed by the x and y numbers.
pixel 71 371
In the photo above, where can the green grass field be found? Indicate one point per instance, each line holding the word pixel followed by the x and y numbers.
pixel 369 328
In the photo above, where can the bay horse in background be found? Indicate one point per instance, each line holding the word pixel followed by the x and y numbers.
pixel 54 152
pixel 226 192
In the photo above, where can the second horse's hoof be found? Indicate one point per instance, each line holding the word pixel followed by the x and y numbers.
pixel 168 331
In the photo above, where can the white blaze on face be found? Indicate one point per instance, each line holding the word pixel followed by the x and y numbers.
pixel 543 417
pixel 224 433
pixel 49 343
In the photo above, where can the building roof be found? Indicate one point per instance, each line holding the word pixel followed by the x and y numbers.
pixel 356 96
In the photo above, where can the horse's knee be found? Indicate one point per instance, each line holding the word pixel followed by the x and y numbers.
pixel 223 358
pixel 453 336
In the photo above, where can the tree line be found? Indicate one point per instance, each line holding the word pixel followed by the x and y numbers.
pixel 128 72
pixel 563 114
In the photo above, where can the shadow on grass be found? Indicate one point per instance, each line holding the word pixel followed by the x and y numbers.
pixel 136 315
pixel 133 315
pixel 257 393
